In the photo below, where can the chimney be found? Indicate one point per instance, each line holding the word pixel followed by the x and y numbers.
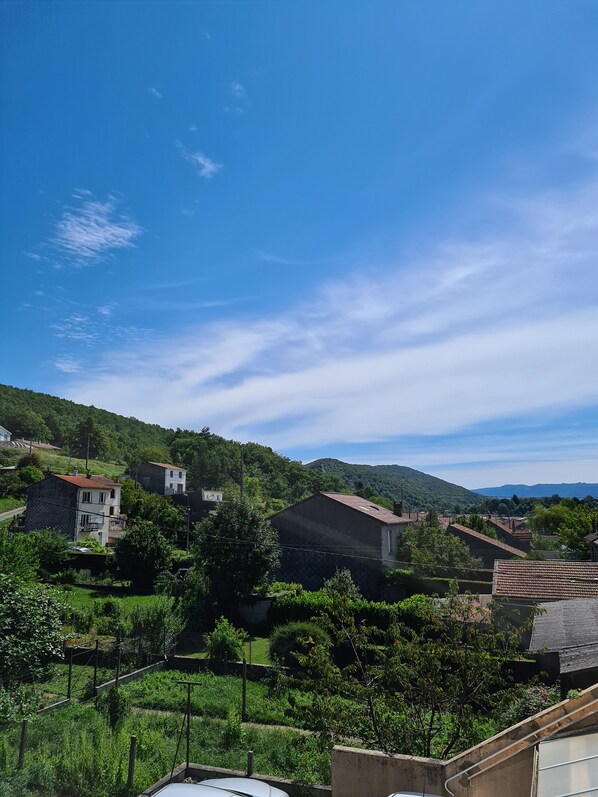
pixel 88 474
pixel 397 508
pixel 75 472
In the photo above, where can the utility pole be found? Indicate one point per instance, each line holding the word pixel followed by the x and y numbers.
pixel 242 475
pixel 87 453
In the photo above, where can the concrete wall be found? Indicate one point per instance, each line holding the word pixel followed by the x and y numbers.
pixel 131 676
pixel 370 773
pixel 502 765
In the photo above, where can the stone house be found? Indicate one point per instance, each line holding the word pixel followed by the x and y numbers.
pixel 80 507
pixel 332 530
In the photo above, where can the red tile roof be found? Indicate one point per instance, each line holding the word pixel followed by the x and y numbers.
pixel 476 535
pixel 165 465
pixel 545 580
pixel 83 481
pixel 380 513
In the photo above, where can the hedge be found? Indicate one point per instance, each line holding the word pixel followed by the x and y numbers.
pixel 302 607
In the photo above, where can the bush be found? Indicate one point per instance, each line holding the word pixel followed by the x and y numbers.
pixel 341 583
pixel 225 641
pixel 30 459
pixel 296 639
pixel 115 706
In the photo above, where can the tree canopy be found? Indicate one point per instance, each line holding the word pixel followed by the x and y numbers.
pixel 142 554
pixel 238 551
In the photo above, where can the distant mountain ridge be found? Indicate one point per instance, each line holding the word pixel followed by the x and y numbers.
pixel 564 490
pixel 420 491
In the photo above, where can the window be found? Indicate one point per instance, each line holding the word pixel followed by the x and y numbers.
pixel 180 474
pixel 171 474
pixel 86 497
pixel 111 510
pixel 112 493
pixel 85 520
pixel 101 498
pixel 389 538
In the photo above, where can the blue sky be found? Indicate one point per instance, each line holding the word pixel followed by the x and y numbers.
pixel 348 229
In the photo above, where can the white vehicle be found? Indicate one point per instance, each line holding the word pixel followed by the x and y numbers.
pixel 412 794
pixel 222 787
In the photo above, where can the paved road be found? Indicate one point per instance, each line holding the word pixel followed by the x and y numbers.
pixel 11 513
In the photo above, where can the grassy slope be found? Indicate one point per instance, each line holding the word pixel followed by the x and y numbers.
pixel 61 463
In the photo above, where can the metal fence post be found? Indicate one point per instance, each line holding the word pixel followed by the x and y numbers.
pixel 95 666
pixel 24 725
pixel 244 692
pixel 132 751
pixel 118 665
pixel 249 763
pixel 70 675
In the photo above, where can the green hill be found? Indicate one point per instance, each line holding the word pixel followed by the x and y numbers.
pixel 211 461
pixel 419 490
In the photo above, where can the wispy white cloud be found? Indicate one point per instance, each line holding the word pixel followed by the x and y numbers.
pixel 204 166
pixel 75 327
pixel 281 260
pixel 154 92
pixel 67 365
pixel 33 256
pixel 237 89
pixel 107 309
pixel 89 232
pixel 477 329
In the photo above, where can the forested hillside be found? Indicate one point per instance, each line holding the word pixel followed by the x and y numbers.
pixel 419 490
pixel 211 460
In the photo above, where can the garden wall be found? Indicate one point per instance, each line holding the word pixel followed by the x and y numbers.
pixel 197 772
pixel 131 676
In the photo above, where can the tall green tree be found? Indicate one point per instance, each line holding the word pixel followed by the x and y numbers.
pixel 237 550
pixel 142 554
pixel 428 545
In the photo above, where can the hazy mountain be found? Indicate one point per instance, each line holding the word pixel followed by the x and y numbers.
pixel 576 490
pixel 420 491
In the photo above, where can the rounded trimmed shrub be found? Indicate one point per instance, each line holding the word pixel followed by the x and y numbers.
pixel 296 638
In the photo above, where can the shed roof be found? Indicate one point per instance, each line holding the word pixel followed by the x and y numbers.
pixel 167 466
pixel 565 624
pixel 580 657
pixel 476 535
pixel 545 581
pixel 375 511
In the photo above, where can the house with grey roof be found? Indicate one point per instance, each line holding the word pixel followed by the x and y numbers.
pixel 333 530
pixel 161 477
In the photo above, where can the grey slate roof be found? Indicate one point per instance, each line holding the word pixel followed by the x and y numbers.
pixel 581 657
pixel 566 624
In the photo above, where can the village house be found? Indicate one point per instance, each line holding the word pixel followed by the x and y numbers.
pixel 4 435
pixel 485 548
pixel 80 507
pixel 161 478
pixel 332 530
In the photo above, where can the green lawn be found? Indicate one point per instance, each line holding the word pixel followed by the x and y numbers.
pixel 8 503
pixel 256 653
pixel 214 696
pixel 62 463
pixel 83 597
